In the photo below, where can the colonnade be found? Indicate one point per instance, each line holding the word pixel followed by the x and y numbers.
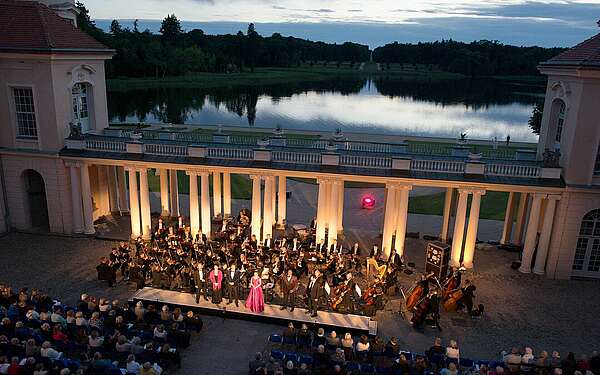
pixel 528 219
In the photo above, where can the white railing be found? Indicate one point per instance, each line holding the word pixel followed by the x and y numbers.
pixel 193 137
pixel 296 157
pixel 512 170
pixel 105 145
pixel 368 147
pixel 230 153
pixel 448 166
pixel 366 161
pixel 165 149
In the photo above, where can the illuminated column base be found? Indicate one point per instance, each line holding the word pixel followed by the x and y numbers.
pixel 532 230
pixel 402 218
pixel 471 240
pixel 459 227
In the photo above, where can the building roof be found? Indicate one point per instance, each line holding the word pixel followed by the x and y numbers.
pixel 585 54
pixel 27 26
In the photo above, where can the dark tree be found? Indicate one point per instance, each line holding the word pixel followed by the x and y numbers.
pixel 535 121
pixel 115 27
pixel 171 28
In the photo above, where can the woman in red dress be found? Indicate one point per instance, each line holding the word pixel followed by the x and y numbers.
pixel 255 301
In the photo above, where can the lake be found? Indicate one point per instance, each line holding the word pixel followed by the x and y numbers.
pixel 482 108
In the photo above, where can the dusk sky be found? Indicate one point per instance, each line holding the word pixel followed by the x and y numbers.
pixel 373 22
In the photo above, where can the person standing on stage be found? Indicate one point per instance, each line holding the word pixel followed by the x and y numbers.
pixel 315 291
pixel 216 278
pixel 468 294
pixel 351 294
pixel 232 283
pixel 289 286
pixel 200 282
pixel 255 301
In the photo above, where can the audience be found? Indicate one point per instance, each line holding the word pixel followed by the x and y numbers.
pixel 40 336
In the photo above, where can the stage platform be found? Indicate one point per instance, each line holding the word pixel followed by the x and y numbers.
pixel 272 313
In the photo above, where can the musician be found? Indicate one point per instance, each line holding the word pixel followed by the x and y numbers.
pixel 268 242
pixel 313 224
pixel 434 308
pixel 200 282
pixel 375 252
pixel 253 243
pixel 468 294
pixel 289 287
pixel 301 265
pixel 295 245
pixel 216 279
pixel 355 250
pixel 350 294
pixel 200 238
pixel 394 259
pixel 321 248
pixel 315 291
pixel 335 248
pixel 232 284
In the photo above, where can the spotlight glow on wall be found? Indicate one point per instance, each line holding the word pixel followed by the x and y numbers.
pixel 368 201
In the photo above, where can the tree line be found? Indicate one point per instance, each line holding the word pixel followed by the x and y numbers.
pixel 174 52
pixel 479 58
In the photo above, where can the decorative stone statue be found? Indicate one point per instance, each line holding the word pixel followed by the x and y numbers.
pixel 75 131
pixel 550 159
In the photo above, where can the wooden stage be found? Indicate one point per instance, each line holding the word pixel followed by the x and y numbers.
pixel 272 313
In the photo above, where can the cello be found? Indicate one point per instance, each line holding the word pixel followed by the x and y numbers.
pixel 414 296
pixel 420 312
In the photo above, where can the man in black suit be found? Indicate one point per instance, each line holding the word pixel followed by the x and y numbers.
pixel 315 291
pixel 321 248
pixel 289 286
pixel 200 238
pixel 232 284
pixel 394 259
pixel 200 277
pixel 268 242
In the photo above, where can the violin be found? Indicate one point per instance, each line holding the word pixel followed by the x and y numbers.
pixel 341 292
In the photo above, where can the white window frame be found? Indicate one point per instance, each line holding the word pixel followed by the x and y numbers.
pixel 13 112
pixel 560 120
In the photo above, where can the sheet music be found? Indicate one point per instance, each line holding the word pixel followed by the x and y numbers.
pixel 327 288
pixel 357 289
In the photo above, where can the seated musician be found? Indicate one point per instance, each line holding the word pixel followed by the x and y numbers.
pixel 180 225
pixel 253 243
pixel 313 224
pixel 321 248
pixel 200 238
pixel 301 265
pixel 268 242
pixel 394 259
pixel 355 250
pixel 295 246
pixel 375 252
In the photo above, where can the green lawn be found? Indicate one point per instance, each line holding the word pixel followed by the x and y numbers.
pixel 241 186
pixel 493 205
pixel 266 76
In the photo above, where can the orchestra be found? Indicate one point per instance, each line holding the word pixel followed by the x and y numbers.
pixel 294 270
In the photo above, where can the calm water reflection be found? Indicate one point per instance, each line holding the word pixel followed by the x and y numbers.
pixel 483 108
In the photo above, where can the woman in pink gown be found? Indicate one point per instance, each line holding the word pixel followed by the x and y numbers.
pixel 255 301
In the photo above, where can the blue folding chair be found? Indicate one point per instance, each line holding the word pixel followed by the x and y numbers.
pixel 352 366
pixel 291 357
pixel 277 355
pixel 289 341
pixel 466 362
pixel 367 368
pixel 275 339
pixel 308 360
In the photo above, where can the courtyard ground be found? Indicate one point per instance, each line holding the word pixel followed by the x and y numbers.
pixel 520 309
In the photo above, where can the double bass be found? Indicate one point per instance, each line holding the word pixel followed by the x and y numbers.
pixel 420 311
pixel 414 296
pixel 451 301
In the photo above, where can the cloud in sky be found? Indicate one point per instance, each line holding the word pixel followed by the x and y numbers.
pixel 526 22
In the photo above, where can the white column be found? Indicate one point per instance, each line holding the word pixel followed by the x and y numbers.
pixel 447 210
pixel 508 219
pixel 542 250
pixel 145 204
pixel 459 227
pixel 274 200
pixel 521 216
pixel 86 195
pixel 532 230
pixel 111 171
pixel 164 191
pixel 174 193
pixel 134 203
pixel 402 218
pixel 333 211
pixel 205 204
pixel 390 217
pixel 471 240
pixel 226 194
pixel 281 201
pixel 122 182
pixel 76 199
pixel 256 216
pixel 268 207
pixel 321 207
pixel 194 208
pixel 340 206
pixel 217 194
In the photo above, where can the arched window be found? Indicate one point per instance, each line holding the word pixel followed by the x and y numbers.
pixel 81 110
pixel 587 252
pixel 560 120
